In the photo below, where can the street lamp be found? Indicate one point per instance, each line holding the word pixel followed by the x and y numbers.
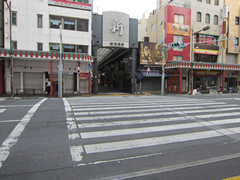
pixel 11 48
pixel 192 58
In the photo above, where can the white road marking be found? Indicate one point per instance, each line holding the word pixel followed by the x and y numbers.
pixel 138 143
pixel 1 106
pixel 73 136
pixel 17 131
pixel 120 132
pixel 76 152
pixel 140 115
pixel 2 110
pixel 9 121
pixel 171 168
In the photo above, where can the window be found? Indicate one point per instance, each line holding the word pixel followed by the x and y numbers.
pixel 177 58
pixel 14 44
pixel 82 49
pixel 80 1
pixel 215 20
pixel 55 21
pixel 54 47
pixel 39 20
pixel 236 41
pixel 82 25
pixel 69 48
pixel 207 20
pixel 216 2
pixel 69 23
pixel 14 18
pixel 178 39
pixel 199 0
pixel 178 19
pixel 236 20
pixel 208 1
pixel 199 17
pixel 152 27
pixel 40 46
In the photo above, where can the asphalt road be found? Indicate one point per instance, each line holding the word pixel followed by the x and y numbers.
pixel 120 137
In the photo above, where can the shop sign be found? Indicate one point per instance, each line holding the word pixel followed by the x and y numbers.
pixel 83 76
pixel 207 39
pixel 151 53
pixel 178 29
pixel 207 73
pixel 224 42
pixel 224 27
pixel 205 51
pixel 71 4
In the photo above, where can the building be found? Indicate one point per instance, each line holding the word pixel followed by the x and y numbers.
pixel 231 33
pixel 203 64
pixel 35 35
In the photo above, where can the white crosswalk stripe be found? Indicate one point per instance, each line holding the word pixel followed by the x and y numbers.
pixel 2 110
pixel 118 124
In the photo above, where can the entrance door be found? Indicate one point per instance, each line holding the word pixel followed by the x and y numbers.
pixel 173 84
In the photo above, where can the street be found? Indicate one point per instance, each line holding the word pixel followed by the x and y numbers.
pixel 120 137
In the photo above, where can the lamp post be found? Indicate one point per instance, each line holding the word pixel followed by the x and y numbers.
pixel 192 58
pixel 10 35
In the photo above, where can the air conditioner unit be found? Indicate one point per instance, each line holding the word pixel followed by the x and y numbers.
pixel 6 35
pixel 6 20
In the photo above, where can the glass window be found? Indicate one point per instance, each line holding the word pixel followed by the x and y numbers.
pixel 216 2
pixel 207 20
pixel 39 46
pixel 177 58
pixel 14 18
pixel 152 26
pixel 199 17
pixel 69 48
pixel 14 44
pixel 39 20
pixel 178 19
pixel 82 25
pixel 178 39
pixel 69 23
pixel 54 47
pixel 81 1
pixel 82 49
pixel 208 1
pixel 237 20
pixel 236 41
pixel 55 21
pixel 215 20
pixel 199 0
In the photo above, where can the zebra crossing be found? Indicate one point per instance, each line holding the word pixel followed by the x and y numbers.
pixel 106 129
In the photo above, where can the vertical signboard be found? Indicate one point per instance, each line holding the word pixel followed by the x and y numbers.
pixel 115 29
pixel 225 12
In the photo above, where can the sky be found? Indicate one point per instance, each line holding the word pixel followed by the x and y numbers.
pixel 135 8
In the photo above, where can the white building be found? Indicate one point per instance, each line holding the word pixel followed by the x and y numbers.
pixel 36 39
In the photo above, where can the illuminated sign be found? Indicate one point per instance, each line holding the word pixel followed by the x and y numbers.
pixel 207 39
pixel 207 73
pixel 205 51
pixel 71 4
pixel 179 29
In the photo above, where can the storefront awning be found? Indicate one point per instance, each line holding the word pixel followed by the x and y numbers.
pixel 43 55
pixel 201 65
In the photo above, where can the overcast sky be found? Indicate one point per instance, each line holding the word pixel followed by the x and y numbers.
pixel 135 8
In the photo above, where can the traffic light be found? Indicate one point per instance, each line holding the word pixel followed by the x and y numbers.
pixel 179 45
pixel 78 69
pixel 148 70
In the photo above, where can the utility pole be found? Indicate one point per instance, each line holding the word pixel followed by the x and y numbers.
pixel 60 67
pixel 163 74
pixel 11 48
